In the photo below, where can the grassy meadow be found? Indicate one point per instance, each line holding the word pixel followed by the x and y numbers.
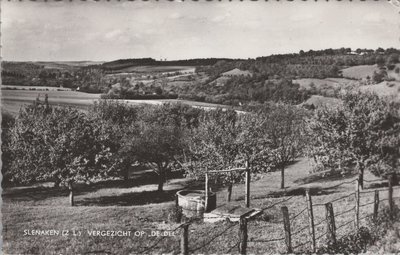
pixel 158 69
pixel 136 206
pixel 12 100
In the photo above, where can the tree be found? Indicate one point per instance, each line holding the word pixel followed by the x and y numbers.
pixel 379 76
pixel 161 140
pixel 213 145
pixel 392 60
pixel 362 133
pixel 119 124
pixel 284 126
pixel 59 144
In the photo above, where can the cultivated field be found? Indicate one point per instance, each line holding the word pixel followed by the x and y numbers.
pixel 158 69
pixel 136 206
pixel 13 100
pixel 360 72
pixel 37 88
pixel 318 101
pixel 385 88
pixel 323 83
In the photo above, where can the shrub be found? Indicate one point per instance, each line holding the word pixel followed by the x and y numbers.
pixel 351 243
pixel 175 214
pixel 358 242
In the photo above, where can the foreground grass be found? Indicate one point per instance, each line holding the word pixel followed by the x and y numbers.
pixel 137 208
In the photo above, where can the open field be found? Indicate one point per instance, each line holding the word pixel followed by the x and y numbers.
pixel 158 69
pixel 318 101
pixel 37 88
pixel 136 206
pixel 67 64
pixel 360 72
pixel 12 100
pixel 320 83
pixel 385 88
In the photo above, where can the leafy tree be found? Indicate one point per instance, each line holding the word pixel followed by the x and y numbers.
pixel 161 140
pixel 284 126
pixel 59 144
pixel 119 124
pixel 379 76
pixel 360 134
pixel 213 145
pixel 7 122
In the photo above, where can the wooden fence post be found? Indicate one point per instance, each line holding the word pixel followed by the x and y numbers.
pixel 185 239
pixel 242 235
pixel 357 208
pixel 330 219
pixel 376 204
pixel 390 195
pixel 206 192
pixel 286 225
pixel 247 198
pixel 311 219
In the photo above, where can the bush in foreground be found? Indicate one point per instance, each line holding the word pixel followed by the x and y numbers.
pixel 376 233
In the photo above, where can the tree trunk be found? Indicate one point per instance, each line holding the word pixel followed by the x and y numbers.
pixel 71 193
pixel 282 177
pixel 229 192
pixel 161 179
pixel 57 183
pixel 126 174
pixel 361 177
pixel 395 179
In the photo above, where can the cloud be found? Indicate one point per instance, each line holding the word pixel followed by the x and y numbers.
pixel 373 17
pixel 220 18
pixel 175 15
pixel 301 16
pixel 113 34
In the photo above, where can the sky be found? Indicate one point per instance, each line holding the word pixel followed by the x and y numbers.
pixel 104 31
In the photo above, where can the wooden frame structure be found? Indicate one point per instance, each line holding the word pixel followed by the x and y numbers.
pixel 247 182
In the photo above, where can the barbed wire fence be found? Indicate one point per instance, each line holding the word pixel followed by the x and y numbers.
pixel 304 238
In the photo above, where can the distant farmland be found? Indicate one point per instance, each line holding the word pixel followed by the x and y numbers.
pixel 13 100
pixel 360 72
pixel 157 69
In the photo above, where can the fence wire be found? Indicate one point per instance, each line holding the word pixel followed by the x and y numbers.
pixel 292 219
pixel 213 238
pixel 301 244
pixel 346 211
pixel 280 202
pixel 297 215
pixel 268 240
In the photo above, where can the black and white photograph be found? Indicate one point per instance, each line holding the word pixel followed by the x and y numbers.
pixel 200 127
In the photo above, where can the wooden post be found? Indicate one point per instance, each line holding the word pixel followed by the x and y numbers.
pixel 390 195
pixel 247 198
pixel 376 204
pixel 311 219
pixel 71 193
pixel 286 226
pixel 243 235
pixel 357 208
pixel 330 219
pixel 185 239
pixel 229 192
pixel 206 192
